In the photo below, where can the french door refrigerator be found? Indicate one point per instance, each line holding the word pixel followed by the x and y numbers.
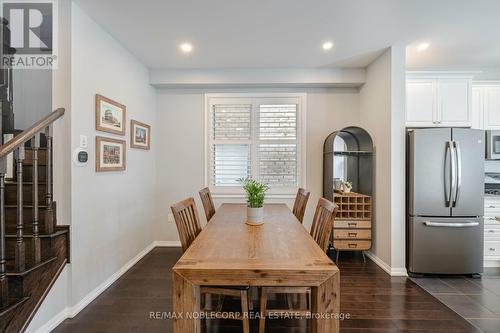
pixel 445 201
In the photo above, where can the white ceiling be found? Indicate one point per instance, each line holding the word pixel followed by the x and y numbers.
pixel 463 34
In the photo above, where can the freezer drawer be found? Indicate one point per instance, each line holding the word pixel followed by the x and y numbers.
pixel 445 245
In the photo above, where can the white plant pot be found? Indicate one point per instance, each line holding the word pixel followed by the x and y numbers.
pixel 255 215
pixel 347 190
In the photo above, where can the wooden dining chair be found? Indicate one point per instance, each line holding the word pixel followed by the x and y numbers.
pixel 188 225
pixel 320 231
pixel 208 203
pixel 299 207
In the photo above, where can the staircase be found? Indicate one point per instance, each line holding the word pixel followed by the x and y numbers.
pixel 33 248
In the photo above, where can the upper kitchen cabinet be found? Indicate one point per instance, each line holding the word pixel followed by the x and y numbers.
pixel 492 108
pixel 438 100
pixel 421 108
pixel 486 105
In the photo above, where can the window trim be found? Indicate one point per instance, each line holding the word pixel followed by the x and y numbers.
pixel 276 193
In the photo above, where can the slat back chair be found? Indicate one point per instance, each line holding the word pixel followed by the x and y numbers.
pixel 320 232
pixel 187 221
pixel 188 226
pixel 323 222
pixel 208 203
pixel 299 207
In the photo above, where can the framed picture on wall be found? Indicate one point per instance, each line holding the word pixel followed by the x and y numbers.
pixel 110 154
pixel 109 115
pixel 140 135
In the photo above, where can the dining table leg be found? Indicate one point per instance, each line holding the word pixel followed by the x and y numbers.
pixel 186 305
pixel 325 300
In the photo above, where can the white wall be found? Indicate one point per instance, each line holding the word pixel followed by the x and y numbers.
pixel 180 167
pixel 257 77
pixel 382 115
pixel 113 213
pixel 32 89
pixel 59 295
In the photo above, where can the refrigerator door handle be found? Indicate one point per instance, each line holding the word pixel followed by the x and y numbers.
pixel 453 173
pixel 448 179
pixel 451 225
pixel 458 157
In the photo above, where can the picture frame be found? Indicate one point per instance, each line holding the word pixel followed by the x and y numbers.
pixel 110 116
pixel 110 154
pixel 140 135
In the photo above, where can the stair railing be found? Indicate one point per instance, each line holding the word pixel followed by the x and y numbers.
pixel 17 146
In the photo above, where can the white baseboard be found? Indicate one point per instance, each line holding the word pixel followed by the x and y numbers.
pixel 103 286
pixel 167 244
pixel 388 269
pixel 54 322
pixel 72 311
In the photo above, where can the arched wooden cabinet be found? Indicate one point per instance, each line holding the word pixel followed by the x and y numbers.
pixel 348 156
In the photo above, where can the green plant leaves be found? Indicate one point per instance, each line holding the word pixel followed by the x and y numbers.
pixel 255 192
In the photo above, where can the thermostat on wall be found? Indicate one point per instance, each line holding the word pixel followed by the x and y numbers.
pixel 80 157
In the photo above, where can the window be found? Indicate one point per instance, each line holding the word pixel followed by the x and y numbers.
pixel 255 136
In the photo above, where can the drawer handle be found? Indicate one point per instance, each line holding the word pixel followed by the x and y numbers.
pixel 352 234
pixel 492 249
pixel 491 206
pixel 491 230
pixel 351 224
pixel 352 246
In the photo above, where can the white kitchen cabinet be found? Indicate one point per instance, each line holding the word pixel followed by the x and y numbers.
pixel 438 100
pixel 421 102
pixel 454 102
pixel 491 231
pixel 486 105
pixel 492 108
pixel 477 108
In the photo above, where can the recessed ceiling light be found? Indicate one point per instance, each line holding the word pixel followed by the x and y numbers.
pixel 186 47
pixel 422 46
pixel 327 46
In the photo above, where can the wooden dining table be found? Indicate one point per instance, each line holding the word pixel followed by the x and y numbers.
pixel 280 252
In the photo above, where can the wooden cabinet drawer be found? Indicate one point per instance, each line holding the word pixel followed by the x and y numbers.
pixel 352 224
pixel 492 248
pixel 352 234
pixel 352 244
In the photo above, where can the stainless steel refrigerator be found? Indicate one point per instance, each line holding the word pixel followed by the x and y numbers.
pixel 445 201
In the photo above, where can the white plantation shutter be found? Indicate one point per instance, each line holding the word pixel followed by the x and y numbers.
pixel 277 148
pixel 254 137
pixel 232 122
pixel 278 122
pixel 230 151
pixel 278 164
pixel 230 163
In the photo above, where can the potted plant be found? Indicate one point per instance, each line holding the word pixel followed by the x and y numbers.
pixel 255 192
pixel 347 186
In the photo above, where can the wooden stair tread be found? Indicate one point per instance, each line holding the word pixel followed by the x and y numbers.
pixel 32 268
pixel 13 303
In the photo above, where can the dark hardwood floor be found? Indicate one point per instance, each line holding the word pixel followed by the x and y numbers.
pixel 374 301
